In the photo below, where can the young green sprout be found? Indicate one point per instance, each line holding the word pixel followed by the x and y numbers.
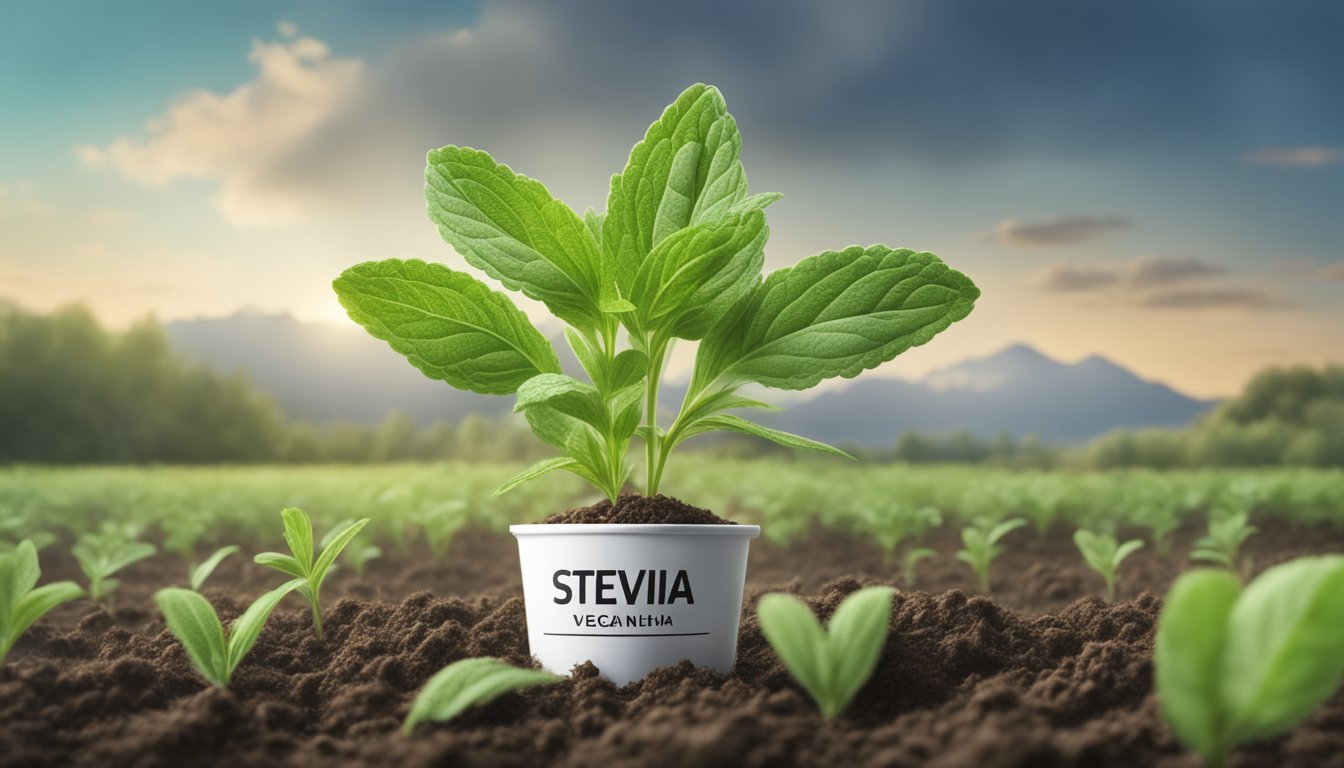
pixel 22 602
pixel 202 572
pixel 358 555
pixel 831 664
pixel 101 555
pixel 911 561
pixel 1223 543
pixel 1104 555
pixel 306 564
pixel 677 254
pixel 980 545
pixel 215 652
pixel 1236 665
pixel 469 683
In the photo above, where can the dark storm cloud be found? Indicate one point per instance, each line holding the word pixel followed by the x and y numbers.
pixel 940 82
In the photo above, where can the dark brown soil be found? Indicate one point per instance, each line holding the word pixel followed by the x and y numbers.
pixel 633 508
pixel 1056 678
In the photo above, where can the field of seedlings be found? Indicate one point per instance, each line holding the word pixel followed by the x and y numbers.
pixel 1021 629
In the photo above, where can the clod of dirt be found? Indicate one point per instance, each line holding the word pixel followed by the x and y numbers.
pixel 632 508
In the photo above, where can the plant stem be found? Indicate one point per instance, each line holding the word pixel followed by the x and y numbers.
pixel 317 618
pixel 651 453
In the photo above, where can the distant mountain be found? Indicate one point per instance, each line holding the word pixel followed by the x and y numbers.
pixel 326 373
pixel 1018 391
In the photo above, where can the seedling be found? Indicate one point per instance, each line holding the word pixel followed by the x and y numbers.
pixel 440 521
pixel 980 545
pixel 214 652
pixel 677 255
pixel 1223 543
pixel 1104 555
pixel 469 683
pixel 358 555
pixel 1234 666
pixel 832 664
pixel 202 572
pixel 101 555
pixel 300 562
pixel 911 561
pixel 22 602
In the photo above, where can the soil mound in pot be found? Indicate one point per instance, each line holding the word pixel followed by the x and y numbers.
pixel 632 508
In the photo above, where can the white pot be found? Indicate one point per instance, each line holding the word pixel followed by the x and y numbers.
pixel 632 598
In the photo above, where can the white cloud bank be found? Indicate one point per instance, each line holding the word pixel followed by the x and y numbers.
pixel 237 138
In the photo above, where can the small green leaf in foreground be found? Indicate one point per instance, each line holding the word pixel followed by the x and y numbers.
pixel 214 652
pixel 1234 666
pixel 832 665
pixel 302 563
pixel 22 602
pixel 469 683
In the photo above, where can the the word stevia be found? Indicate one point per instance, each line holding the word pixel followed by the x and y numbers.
pixel 677 255
pixel 1234 666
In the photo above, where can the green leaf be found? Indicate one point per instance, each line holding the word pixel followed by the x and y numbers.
pixel 338 543
pixel 564 394
pixel 1003 529
pixel 1285 653
pixel 247 628
pixel 299 536
pixel 1188 658
pixel 1127 549
pixel 194 622
pixel 835 314
pixel 858 634
pixel 510 227
pixel 469 683
pixel 730 423
pixel 800 643
pixel 203 571
pixel 19 572
pixel 592 221
pixel 536 470
pixel 696 274
pixel 36 603
pixel 686 171
pixel 283 563
pixel 448 324
pixel 756 202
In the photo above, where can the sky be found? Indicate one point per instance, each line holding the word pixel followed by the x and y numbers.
pixel 1158 182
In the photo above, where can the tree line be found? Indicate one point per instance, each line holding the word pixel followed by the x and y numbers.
pixel 72 391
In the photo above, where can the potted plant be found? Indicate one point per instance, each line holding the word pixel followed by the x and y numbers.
pixel 677 255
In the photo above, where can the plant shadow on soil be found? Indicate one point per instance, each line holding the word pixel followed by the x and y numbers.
pixel 1044 674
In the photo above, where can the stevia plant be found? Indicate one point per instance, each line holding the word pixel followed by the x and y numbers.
pixel 469 683
pixel 1237 665
pixel 980 545
pixel 304 562
pixel 202 572
pixel 834 663
pixel 677 255
pixel 215 652
pixel 103 554
pixel 1104 555
pixel 22 602
pixel 1223 543
pixel 911 561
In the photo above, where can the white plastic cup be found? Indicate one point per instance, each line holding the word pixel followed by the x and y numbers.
pixel 632 598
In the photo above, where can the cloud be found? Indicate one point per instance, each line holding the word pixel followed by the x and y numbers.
pixel 1295 157
pixel 1065 278
pixel 1063 230
pixel 1227 297
pixel 1154 271
pixel 1334 271
pixel 237 138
